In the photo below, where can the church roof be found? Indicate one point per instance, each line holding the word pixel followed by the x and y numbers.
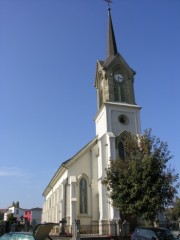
pixel 111 50
pixel 64 166
pixel 111 41
pixel 88 146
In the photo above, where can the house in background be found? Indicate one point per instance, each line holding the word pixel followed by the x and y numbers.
pixel 14 211
pixel 2 212
pixel 33 215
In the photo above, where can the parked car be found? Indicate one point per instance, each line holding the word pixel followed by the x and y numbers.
pixel 41 232
pixel 152 233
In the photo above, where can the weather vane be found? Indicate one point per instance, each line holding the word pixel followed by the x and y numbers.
pixel 108 1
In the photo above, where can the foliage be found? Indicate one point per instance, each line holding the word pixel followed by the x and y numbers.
pixel 173 213
pixel 11 218
pixel 15 204
pixel 142 184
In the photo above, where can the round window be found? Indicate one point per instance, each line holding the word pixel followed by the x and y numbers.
pixel 123 119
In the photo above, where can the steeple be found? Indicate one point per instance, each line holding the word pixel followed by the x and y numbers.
pixel 111 41
pixel 114 77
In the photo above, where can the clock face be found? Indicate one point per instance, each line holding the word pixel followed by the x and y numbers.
pixel 118 77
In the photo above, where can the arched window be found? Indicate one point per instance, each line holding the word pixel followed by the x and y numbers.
pixel 119 92
pixel 120 143
pixel 83 195
pixel 123 93
pixel 121 150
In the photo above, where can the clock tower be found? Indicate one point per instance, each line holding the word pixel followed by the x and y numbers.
pixel 114 78
pixel 117 113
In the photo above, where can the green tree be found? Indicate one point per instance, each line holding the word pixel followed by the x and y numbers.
pixel 142 184
pixel 15 204
pixel 173 213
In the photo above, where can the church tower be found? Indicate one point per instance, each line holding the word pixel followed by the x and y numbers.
pixel 76 190
pixel 117 113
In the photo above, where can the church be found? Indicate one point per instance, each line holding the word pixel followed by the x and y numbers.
pixel 76 191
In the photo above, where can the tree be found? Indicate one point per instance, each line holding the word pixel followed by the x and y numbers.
pixel 142 184
pixel 173 213
pixel 15 204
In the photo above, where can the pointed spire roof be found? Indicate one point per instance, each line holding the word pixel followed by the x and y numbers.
pixel 111 41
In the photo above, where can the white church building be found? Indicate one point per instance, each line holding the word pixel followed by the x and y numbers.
pixel 76 191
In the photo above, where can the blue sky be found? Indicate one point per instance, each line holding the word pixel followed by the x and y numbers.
pixel 48 53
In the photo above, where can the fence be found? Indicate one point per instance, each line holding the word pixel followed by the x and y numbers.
pixel 104 229
pixel 99 231
pixel 95 231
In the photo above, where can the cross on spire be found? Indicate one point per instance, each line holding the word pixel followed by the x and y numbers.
pixel 108 1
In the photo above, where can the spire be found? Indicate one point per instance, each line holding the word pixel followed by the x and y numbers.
pixel 111 41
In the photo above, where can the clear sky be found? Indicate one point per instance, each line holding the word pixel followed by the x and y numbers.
pixel 48 53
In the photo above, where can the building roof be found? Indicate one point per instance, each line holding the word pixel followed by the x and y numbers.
pixel 111 41
pixel 64 166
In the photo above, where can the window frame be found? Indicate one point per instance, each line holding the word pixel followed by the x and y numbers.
pixel 83 195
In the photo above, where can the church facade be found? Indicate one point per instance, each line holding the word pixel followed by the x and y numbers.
pixel 76 191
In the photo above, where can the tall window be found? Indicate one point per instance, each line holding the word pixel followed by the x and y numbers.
pixel 121 150
pixel 116 93
pixel 123 93
pixel 121 142
pixel 83 195
pixel 119 92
